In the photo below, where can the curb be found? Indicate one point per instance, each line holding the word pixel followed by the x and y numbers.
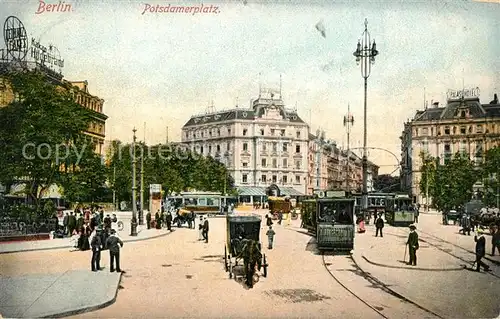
pixel 70 246
pixel 409 268
pixel 89 308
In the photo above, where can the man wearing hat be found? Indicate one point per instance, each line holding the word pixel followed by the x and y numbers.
pixel 114 243
pixel 480 252
pixel 96 244
pixel 205 229
pixel 413 245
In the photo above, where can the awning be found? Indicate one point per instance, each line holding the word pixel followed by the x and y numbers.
pixel 289 191
pixel 251 191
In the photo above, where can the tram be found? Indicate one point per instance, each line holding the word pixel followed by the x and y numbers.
pixel 277 204
pixel 399 211
pixel 200 202
pixel 331 220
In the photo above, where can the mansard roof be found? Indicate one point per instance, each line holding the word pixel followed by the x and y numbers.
pixel 246 114
pixel 450 111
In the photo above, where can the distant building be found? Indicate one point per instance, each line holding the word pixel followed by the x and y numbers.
pixel 263 145
pixel 319 152
pixel 462 125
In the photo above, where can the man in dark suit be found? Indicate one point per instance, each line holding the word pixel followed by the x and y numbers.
pixel 71 223
pixel 96 244
pixel 379 224
pixel 65 223
pixel 480 252
pixel 114 243
pixel 413 245
pixel 205 229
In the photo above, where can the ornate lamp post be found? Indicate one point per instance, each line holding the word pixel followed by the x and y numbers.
pixel 366 51
pixel 133 222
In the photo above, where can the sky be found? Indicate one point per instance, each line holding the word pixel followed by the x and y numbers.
pixel 162 68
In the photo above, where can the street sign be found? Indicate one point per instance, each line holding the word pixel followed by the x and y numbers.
pixel 154 188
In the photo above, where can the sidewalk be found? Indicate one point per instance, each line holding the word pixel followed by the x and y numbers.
pixel 64 243
pixel 57 295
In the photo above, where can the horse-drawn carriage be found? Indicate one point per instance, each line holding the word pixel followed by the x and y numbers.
pixel 243 242
pixel 183 216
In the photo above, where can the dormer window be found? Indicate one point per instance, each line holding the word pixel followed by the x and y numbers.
pixel 463 113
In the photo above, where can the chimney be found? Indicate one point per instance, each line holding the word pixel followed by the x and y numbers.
pixel 495 99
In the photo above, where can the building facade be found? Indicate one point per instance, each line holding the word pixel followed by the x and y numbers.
pixel 462 125
pixel 319 152
pixel 263 145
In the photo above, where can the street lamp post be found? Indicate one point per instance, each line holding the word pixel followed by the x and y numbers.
pixel 366 50
pixel 133 223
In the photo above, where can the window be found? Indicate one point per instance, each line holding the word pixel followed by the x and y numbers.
pixel 479 129
pixel 285 179
pixel 264 162
pixel 228 146
pixel 425 131
pixel 297 148
pixel 245 132
pixel 244 178
pixel 228 131
pixel 210 149
pixel 432 131
pixel 447 130
pixel 263 178
pixel 245 164
pixel 447 148
pixel 297 179
pixel 264 147
pixel 454 130
pixel 218 148
pixel 463 130
pixel 261 131
pixel 282 133
pixel 201 150
pixel 275 178
pixel 463 147
pixel 245 147
pixel 272 132
pixel 201 134
pixel 298 164
pixel 218 132
pixel 298 134
pixel 275 163
pixel 285 163
pixel 425 146
pixel 210 132
pixel 285 147
pixel 275 147
pixel 462 113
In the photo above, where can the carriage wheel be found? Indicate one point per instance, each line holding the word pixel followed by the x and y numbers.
pixel 225 259
pixel 230 268
pixel 264 262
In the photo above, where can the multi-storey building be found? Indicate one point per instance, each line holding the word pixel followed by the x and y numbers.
pixel 462 125
pixel 264 145
pixel 319 152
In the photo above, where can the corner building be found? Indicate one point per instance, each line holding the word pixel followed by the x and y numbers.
pixel 462 125
pixel 263 145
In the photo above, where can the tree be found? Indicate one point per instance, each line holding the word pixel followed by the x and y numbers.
pixel 428 173
pixel 491 174
pixel 34 128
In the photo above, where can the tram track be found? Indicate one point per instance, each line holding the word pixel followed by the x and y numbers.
pixel 374 283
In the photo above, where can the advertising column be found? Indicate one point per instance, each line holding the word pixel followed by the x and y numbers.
pixel 154 199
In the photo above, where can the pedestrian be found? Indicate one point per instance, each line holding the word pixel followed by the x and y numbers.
pixel 360 221
pixel 416 213
pixel 107 223
pixel 270 236
pixel 65 223
pixel 114 243
pixel 200 229
pixel 280 217
pixel 495 240
pixel 205 229
pixel 96 245
pixel 71 223
pixel 190 220
pixel 269 220
pixel 148 220
pixel 466 225
pixel 169 221
pixel 413 245
pixel 379 224
pixel 480 252
pixel 158 220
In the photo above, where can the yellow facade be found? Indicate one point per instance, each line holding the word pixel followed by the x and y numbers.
pixel 79 90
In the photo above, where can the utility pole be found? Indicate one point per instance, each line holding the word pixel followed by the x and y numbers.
pixel 348 123
pixel 114 188
pixel 427 190
pixel 133 223
pixel 141 214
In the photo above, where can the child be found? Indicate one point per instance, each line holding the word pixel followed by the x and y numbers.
pixel 270 236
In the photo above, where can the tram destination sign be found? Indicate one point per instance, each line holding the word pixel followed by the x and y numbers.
pixel 464 93
pixel 48 57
